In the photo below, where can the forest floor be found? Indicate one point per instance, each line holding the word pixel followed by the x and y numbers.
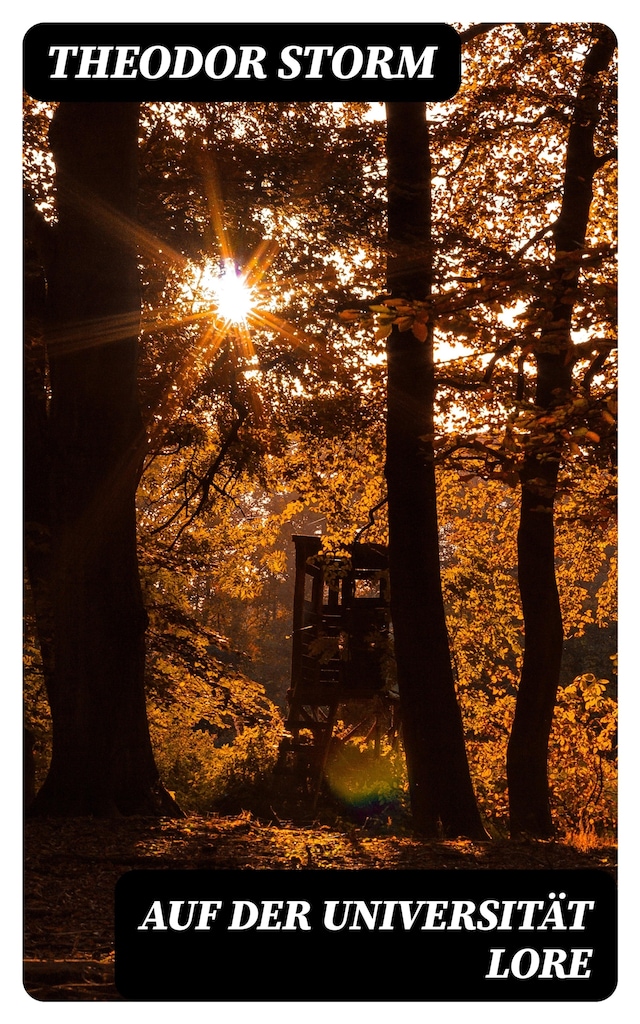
pixel 72 865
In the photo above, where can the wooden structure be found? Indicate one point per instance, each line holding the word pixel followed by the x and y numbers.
pixel 340 647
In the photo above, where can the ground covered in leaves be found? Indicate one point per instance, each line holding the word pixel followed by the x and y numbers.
pixel 72 865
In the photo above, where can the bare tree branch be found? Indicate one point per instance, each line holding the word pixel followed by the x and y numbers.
pixel 478 30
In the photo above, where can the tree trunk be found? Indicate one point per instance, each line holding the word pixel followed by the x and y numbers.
pixel 36 456
pixel 102 761
pixel 440 786
pixel 527 755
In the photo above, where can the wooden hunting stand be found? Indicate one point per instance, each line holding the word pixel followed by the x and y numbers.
pixel 340 649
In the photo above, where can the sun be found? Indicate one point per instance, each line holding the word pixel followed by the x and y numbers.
pixel 228 304
pixel 229 291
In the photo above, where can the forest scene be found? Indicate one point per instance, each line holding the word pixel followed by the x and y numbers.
pixel 320 479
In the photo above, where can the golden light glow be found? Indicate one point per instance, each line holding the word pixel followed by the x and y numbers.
pixel 231 294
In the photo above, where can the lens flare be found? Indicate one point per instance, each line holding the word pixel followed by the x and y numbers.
pixel 361 778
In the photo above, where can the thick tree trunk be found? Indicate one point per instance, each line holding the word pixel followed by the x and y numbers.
pixel 440 786
pixel 36 497
pixel 527 754
pixel 102 762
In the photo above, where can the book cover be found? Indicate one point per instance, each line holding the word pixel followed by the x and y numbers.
pixel 320 481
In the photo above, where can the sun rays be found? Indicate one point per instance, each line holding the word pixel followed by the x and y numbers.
pixel 232 303
pixel 212 305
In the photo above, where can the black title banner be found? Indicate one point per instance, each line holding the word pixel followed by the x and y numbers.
pixel 201 62
pixel 366 935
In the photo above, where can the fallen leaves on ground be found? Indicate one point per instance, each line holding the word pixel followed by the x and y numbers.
pixel 72 866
